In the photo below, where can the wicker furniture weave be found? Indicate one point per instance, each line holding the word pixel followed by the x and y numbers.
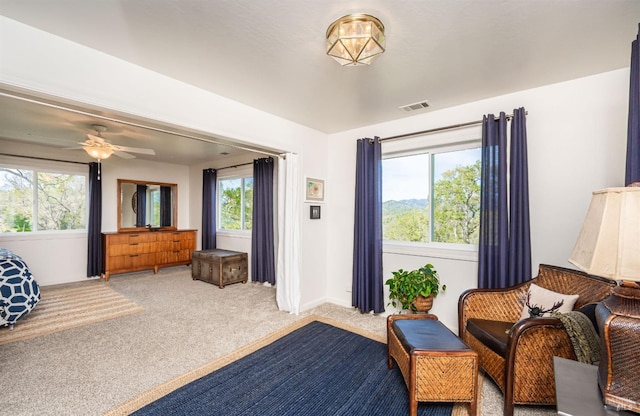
pixel 524 370
pixel 437 368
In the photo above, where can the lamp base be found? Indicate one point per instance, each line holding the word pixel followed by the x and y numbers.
pixel 618 318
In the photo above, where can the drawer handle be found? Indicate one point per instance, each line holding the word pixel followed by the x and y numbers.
pixel 134 235
pixel 176 241
pixel 133 244
pixel 133 255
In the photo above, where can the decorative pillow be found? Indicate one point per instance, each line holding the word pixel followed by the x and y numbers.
pixel 541 302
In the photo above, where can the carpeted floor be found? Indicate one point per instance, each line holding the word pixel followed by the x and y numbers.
pixel 69 306
pixel 186 324
pixel 317 369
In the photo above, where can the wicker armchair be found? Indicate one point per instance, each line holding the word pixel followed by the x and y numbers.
pixel 518 354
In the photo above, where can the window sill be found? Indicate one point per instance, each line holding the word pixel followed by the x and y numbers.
pixel 244 234
pixel 443 251
pixel 43 235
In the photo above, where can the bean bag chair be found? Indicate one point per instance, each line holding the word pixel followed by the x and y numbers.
pixel 19 292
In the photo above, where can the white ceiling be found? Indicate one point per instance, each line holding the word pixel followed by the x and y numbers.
pixel 270 54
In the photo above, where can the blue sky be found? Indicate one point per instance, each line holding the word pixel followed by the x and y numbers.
pixel 406 177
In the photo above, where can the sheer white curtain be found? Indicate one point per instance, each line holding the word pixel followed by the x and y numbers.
pixel 288 264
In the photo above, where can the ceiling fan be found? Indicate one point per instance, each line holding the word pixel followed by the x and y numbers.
pixel 99 148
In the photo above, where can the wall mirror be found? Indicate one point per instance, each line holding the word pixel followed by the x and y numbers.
pixel 144 204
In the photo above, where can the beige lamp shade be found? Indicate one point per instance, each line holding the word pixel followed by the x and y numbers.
pixel 609 242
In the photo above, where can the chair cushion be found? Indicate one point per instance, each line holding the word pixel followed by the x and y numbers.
pixel 541 302
pixel 493 334
pixel 590 310
pixel 426 334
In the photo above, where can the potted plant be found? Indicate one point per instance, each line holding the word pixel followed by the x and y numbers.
pixel 415 289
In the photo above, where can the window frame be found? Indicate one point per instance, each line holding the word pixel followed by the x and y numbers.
pixel 238 173
pixel 54 167
pixel 441 142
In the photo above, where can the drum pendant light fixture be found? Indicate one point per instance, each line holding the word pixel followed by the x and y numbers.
pixel 355 39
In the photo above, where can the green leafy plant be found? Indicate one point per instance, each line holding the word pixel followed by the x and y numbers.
pixel 406 286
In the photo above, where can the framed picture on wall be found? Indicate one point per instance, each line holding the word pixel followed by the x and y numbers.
pixel 314 190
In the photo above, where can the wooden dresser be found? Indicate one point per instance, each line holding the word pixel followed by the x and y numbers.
pixel 145 250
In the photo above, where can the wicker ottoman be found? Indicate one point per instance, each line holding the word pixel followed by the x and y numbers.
pixel 436 365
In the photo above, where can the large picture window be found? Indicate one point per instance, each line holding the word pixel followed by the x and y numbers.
pixel 235 203
pixel 432 195
pixel 36 200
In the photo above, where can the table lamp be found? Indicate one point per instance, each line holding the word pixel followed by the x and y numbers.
pixel 609 246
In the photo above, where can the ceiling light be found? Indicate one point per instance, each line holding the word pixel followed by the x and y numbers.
pixel 355 39
pixel 98 152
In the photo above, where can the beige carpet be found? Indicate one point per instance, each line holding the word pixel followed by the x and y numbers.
pixel 156 393
pixel 186 324
pixel 69 306
pixel 172 385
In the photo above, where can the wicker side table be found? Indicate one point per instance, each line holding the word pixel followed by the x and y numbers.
pixel 436 365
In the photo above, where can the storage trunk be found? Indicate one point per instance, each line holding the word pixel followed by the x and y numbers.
pixel 220 267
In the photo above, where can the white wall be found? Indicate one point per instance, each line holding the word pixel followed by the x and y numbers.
pixel 576 135
pixel 81 75
pixel 576 132
pixel 55 258
pixel 115 168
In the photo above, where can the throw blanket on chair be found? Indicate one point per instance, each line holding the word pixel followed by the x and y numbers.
pixel 584 338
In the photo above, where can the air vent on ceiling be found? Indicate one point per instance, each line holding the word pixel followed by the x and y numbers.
pixel 415 106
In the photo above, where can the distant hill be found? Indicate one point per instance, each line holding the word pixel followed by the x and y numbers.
pixel 404 205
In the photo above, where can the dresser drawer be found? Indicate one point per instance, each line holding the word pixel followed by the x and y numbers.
pixel 131 238
pixel 145 250
pixel 132 248
pixel 132 261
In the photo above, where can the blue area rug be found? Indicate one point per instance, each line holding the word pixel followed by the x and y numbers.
pixel 315 370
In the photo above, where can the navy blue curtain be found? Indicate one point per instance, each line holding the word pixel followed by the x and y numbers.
pixel 94 238
pixel 165 206
pixel 493 262
pixel 263 267
pixel 141 205
pixel 367 291
pixel 505 243
pixel 632 173
pixel 519 232
pixel 209 180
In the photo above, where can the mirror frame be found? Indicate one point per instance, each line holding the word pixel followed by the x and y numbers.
pixel 174 194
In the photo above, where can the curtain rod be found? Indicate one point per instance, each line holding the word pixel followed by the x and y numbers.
pixel 44 158
pixel 237 166
pixel 130 123
pixel 439 129
pixel 234 166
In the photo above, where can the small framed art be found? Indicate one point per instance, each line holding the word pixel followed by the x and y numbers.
pixel 314 190
pixel 314 212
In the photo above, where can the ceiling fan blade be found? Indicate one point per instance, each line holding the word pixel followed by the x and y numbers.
pixel 97 139
pixel 123 155
pixel 134 150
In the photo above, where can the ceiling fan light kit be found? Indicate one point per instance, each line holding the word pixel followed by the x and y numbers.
pixel 355 39
pixel 97 151
pixel 99 148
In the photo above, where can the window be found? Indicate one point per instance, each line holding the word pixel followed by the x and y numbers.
pixel 34 200
pixel 235 203
pixel 432 195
